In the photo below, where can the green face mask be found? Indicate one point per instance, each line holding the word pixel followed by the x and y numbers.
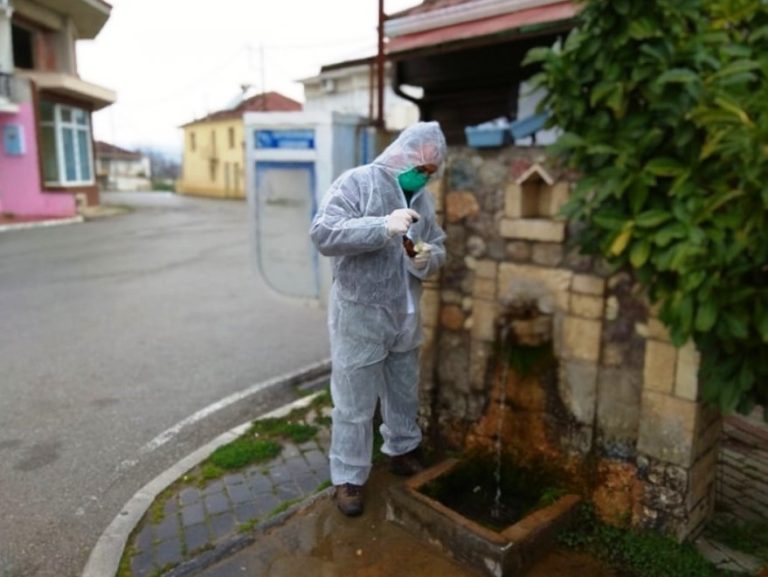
pixel 412 180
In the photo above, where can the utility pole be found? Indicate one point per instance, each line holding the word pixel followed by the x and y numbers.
pixel 380 60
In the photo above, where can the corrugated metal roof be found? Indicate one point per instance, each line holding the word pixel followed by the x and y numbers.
pixel 561 11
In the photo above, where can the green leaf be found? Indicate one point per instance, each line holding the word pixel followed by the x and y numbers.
pixel 538 54
pixel 669 233
pixel 737 325
pixel 643 28
pixel 652 218
pixel 640 252
pixel 706 316
pixel 665 166
pixel 678 76
pixel 736 67
pixel 622 240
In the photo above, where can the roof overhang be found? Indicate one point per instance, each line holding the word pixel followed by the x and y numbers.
pixel 88 16
pixel 474 20
pixel 71 86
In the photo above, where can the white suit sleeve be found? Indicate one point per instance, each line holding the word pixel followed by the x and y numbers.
pixel 337 228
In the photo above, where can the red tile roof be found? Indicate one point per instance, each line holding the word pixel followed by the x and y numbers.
pixel 265 102
pixel 106 149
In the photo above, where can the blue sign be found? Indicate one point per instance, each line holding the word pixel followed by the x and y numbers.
pixel 286 139
pixel 13 140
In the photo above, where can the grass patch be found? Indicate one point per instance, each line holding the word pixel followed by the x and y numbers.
pixel 746 536
pixel 244 451
pixel 247 526
pixel 642 553
pixel 323 486
pixel 294 430
pixel 284 506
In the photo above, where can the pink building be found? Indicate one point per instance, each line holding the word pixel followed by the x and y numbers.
pixel 46 141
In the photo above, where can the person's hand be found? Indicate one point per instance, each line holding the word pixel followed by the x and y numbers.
pixel 423 253
pixel 400 220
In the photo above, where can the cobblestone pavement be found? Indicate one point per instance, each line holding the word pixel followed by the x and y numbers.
pixel 194 517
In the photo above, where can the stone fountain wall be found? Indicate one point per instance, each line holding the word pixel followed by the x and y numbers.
pixel 618 411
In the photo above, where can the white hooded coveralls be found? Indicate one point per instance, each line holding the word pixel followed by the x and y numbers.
pixel 374 319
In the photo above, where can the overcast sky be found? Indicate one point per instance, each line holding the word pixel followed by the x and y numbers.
pixel 174 60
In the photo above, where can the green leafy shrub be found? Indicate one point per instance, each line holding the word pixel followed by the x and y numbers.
pixel 642 553
pixel 664 107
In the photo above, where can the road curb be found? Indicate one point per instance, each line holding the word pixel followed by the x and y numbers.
pixel 104 559
pixel 41 223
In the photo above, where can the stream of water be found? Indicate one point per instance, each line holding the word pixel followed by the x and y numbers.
pixel 496 511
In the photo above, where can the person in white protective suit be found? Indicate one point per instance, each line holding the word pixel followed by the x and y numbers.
pixel 378 224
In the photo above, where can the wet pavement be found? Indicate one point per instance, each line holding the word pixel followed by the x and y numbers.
pixel 320 542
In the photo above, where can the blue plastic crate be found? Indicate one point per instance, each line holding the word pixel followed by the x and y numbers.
pixel 486 137
pixel 528 126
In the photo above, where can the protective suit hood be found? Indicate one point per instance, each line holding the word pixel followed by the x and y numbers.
pixel 419 144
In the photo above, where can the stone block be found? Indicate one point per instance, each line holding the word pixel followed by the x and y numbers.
pixel 586 306
pixel 452 297
pixel 452 318
pixel 513 201
pixel 558 195
pixel 479 355
pixel 430 303
pixel 484 315
pixel 484 288
pixel 518 251
pixel 687 372
pixel 487 269
pixel 476 246
pixel 467 303
pixel 588 285
pixel 460 205
pixel 578 389
pixel 611 308
pixel 619 394
pixel 613 354
pixel 546 282
pixel 657 330
pixel 581 339
pixel 668 428
pixel 533 229
pixel 660 366
pixel 547 253
pixel 702 475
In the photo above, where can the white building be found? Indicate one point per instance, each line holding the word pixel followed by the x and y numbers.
pixel 122 170
pixel 350 87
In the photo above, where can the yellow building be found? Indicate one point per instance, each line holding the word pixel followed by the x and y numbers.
pixel 213 164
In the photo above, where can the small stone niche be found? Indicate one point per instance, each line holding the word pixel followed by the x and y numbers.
pixel 532 207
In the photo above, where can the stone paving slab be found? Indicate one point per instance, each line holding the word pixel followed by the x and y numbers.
pixel 196 518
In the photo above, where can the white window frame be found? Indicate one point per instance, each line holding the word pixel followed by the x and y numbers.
pixel 58 129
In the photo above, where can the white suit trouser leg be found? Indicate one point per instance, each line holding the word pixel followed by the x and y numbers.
pixel 355 390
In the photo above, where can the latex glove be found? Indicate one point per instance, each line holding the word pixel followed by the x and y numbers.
pixel 400 220
pixel 423 254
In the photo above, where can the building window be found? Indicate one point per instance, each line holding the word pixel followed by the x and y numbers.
pixel 192 144
pixel 231 137
pixel 66 144
pixel 23 41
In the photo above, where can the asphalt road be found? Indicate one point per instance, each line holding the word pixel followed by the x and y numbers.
pixel 112 332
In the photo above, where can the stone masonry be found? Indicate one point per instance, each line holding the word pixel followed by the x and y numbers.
pixel 621 413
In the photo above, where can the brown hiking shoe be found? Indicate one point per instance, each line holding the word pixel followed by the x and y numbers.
pixel 349 499
pixel 406 464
